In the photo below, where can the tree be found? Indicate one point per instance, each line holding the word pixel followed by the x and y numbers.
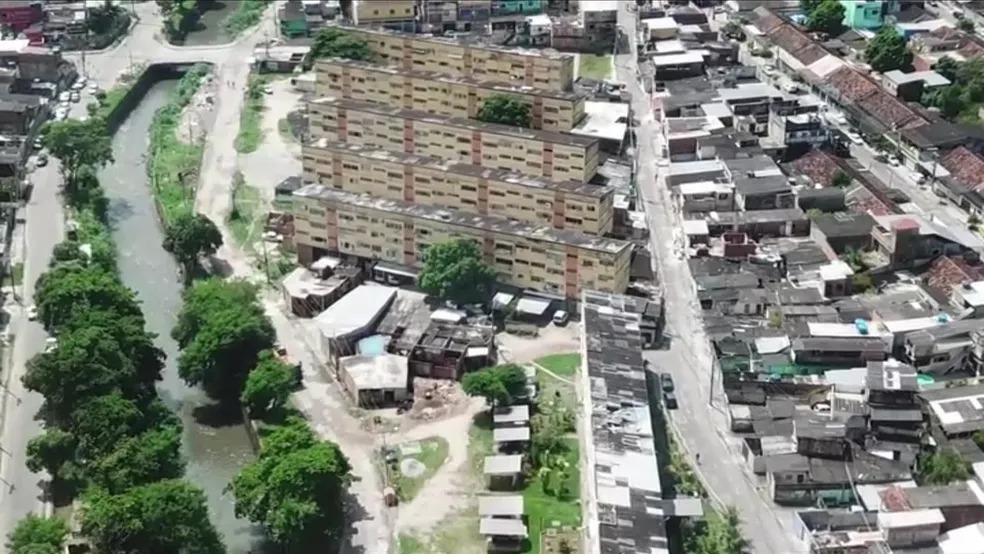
pixel 67 251
pixel 158 518
pixel 189 237
pixel 205 298
pixel 68 290
pixel 77 144
pixel 841 180
pixel 826 17
pixel 947 67
pixel 887 51
pixel 455 271
pixel 222 345
pixel 34 534
pixel 862 282
pixel 140 460
pixel 332 42
pixel 297 493
pixel 505 109
pixel 100 423
pixel 809 5
pixel 101 19
pixel 719 533
pixel 966 26
pixel 268 386
pixel 54 453
pixel 814 213
pixel 943 467
pixel 497 384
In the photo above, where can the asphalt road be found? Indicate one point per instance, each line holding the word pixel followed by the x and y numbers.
pixel 702 426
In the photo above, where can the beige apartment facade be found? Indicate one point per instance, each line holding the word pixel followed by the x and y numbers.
pixel 546 69
pixel 570 205
pixel 329 221
pixel 549 154
pixel 442 94
pixel 373 12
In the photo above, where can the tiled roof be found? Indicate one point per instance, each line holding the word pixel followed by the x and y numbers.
pixel 947 272
pixel 766 21
pixel 861 201
pixel 796 43
pixel 887 109
pixel 966 167
pixel 819 166
pixel 947 33
pixel 810 54
pixel 971 50
pixel 851 84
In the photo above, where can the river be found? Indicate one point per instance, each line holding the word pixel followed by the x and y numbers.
pixel 216 445
pixel 209 28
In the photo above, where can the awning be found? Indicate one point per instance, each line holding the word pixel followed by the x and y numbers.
pixel 532 306
pixel 394 269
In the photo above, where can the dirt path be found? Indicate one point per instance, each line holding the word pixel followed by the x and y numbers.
pixel 448 490
pixel 275 159
pixel 196 118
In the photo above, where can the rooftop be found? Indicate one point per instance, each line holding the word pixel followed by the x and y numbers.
pixel 446 78
pixel 460 122
pixel 511 414
pixel 447 166
pixel 356 311
pixel 621 454
pixel 844 224
pixel 604 120
pixel 532 53
pixel 382 372
pixel 929 78
pixel 959 409
pixel 503 464
pixel 499 506
pixel 464 219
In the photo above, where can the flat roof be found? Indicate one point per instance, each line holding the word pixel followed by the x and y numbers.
pixel 511 414
pixel 460 122
pixel 677 59
pixel 546 53
pixel 624 514
pixel 958 409
pixel 660 23
pixel 447 78
pixel 604 120
pixel 930 78
pixel 355 311
pixel 511 434
pixel 911 518
pixel 598 5
pixel 465 219
pixel 501 527
pixel 745 91
pixel 382 372
pixel 505 505
pixel 448 166
pixel 503 464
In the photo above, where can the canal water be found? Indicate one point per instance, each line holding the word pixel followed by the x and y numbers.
pixel 209 28
pixel 216 445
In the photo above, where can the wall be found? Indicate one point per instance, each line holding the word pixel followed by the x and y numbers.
pixel 150 76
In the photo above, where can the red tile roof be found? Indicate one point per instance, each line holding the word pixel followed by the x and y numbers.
pixel 766 21
pixel 894 499
pixel 861 201
pixel 887 109
pixel 971 50
pixel 819 166
pixel 966 167
pixel 852 85
pixel 947 272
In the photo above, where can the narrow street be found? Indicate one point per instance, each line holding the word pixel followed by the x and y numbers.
pixel 702 426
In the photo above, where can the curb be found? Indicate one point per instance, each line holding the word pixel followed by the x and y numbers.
pixel 134 21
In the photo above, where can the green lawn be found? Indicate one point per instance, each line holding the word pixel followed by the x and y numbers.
pixel 457 533
pixel 545 510
pixel 594 66
pixel 16 274
pixel 433 454
pixel 246 15
pixel 244 220
pixel 251 119
pixel 113 97
pixel 563 365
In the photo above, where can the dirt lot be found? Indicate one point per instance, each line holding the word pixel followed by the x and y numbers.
pixel 550 340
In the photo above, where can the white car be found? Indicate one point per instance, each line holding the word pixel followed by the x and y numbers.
pixel 893 161
pixel 75 97
pixel 64 96
pixel 32 313
pixel 78 85
pixel 855 138
pixel 50 344
pixel 93 88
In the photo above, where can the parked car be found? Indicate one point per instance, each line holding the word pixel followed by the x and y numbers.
pixel 855 138
pixel 32 313
pixel 42 160
pixel 560 318
pixel 75 97
pixel 64 96
pixel 893 161
pixel 38 145
pixel 666 382
pixel 669 400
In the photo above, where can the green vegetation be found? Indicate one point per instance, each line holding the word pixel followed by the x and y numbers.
pixel 686 481
pixel 268 387
pixel 243 220
pixel 552 495
pixel 171 163
pixel 77 144
pixel 106 101
pixel 841 180
pixel 433 453
pixel 966 26
pixel 563 365
pixel 38 535
pixel 960 100
pixel 180 17
pixel 505 109
pixel 287 131
pixel 888 51
pixel 251 119
pixel 942 468
pixel 190 237
pixel 455 270
pixel 333 42
pixel 825 16
pixel 246 15
pixel 498 385
pixel 105 23
pixel 717 533
pixel 456 533
pixel 594 66
pixel 16 274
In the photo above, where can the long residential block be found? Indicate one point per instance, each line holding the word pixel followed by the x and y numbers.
pixel 369 12
pixel 329 221
pixel 547 69
pixel 556 156
pixel 570 205
pixel 442 94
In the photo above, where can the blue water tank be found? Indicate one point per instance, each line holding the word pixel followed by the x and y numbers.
pixel 943 318
pixel 862 326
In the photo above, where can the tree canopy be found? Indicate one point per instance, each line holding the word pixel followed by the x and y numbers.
pixel 841 180
pixel 718 533
pixel 497 384
pixel 455 270
pixel 190 237
pixel 943 467
pixel 77 144
pixel 221 341
pixel 68 290
pixel 295 488
pixel 959 100
pixel 332 42
pixel 888 51
pixel 826 17
pixel 158 518
pixel 505 109
pixel 268 386
pixel 38 535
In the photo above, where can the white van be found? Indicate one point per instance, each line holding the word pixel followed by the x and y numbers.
pixel 560 318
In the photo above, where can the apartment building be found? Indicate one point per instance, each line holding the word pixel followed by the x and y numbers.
pixel 329 221
pixel 569 205
pixel 557 156
pixel 381 12
pixel 546 69
pixel 442 94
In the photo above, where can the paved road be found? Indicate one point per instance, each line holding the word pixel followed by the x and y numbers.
pixel 688 357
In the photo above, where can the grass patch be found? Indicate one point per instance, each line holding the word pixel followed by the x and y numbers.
pixel 243 220
pixel 108 102
pixel 433 453
pixel 251 119
pixel 173 165
pixel 480 443
pixel 563 365
pixel 17 274
pixel 548 510
pixel 408 544
pixel 287 131
pixel 247 15
pixel 457 533
pixel 595 66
